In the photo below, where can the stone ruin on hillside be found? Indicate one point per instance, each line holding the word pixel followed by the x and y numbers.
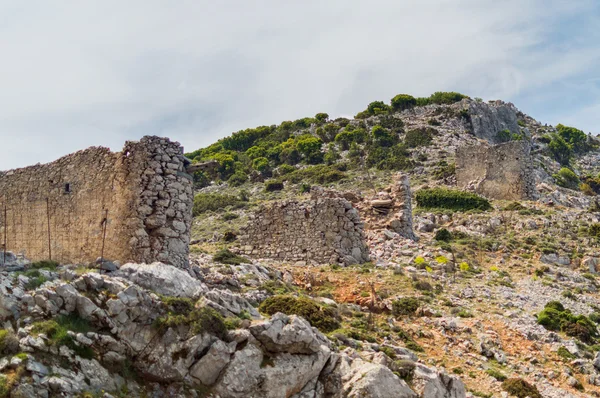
pixel 134 205
pixel 503 171
pixel 328 228
pixel 323 230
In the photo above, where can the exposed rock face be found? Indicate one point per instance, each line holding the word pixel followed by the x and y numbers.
pixel 133 205
pixel 163 279
pixel 324 230
pixel 487 119
pixel 503 171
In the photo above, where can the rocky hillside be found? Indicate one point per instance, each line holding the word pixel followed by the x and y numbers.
pixel 485 298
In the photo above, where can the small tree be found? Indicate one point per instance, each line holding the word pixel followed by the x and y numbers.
pixel 403 101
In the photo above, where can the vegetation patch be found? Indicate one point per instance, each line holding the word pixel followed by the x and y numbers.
pixel 451 199
pixel 9 344
pixel 203 319
pixel 324 318
pixel 520 388
pixel 57 332
pixel 405 306
pixel 496 374
pixel 48 265
pixel 556 317
pixel 204 202
pixel 225 256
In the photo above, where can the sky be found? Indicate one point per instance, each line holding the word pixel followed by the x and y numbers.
pixel 98 73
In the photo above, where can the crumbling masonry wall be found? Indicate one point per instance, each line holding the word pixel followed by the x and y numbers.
pixel 134 205
pixel 503 171
pixel 319 231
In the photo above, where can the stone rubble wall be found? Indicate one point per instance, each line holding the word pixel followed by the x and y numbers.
pixel 319 231
pixel 59 209
pixel 503 171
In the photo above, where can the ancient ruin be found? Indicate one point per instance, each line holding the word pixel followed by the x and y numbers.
pixel 133 205
pixel 503 171
pixel 319 231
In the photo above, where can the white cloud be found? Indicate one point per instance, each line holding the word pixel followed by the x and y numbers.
pixel 100 73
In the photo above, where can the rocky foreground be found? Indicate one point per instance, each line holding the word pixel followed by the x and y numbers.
pixel 155 330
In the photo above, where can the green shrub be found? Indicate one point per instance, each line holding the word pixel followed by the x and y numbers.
pixel 555 317
pixel 389 158
pixel 382 137
pixel 413 346
pixel 560 150
pixel 423 285
pixel 419 137
pixel 310 148
pixel 451 199
pixel 225 256
pixel 443 235
pixel 514 206
pixel 200 320
pixel 405 306
pixel 520 388
pixel 9 344
pixel 496 374
pixel 237 178
pixel 594 230
pixel 566 178
pixel 574 137
pixel 57 332
pixel 565 354
pixel 319 174
pixel 350 135
pixel 323 318
pixel 273 185
pixel 377 108
pixel 444 170
pixel 35 282
pixel 44 264
pixel 204 202
pixel 446 97
pixel 403 101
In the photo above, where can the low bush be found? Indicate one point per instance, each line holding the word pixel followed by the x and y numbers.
pixel 556 317
pixel 9 344
pixel 57 332
pixel 451 199
pixel 566 178
pixel 520 388
pixel 419 137
pixel 496 374
pixel 238 178
pixel 225 256
pixel 273 185
pixel 565 354
pixel 405 306
pixel 200 320
pixel 403 101
pixel 204 202
pixel 443 235
pixel 423 285
pixel 319 174
pixel 44 264
pixel 326 319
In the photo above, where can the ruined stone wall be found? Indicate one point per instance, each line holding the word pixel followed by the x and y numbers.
pixel 318 231
pixel 503 171
pixel 134 205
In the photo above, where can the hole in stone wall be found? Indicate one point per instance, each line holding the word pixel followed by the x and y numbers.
pixel 67 188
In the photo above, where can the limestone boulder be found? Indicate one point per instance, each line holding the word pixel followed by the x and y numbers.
pixel 163 279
